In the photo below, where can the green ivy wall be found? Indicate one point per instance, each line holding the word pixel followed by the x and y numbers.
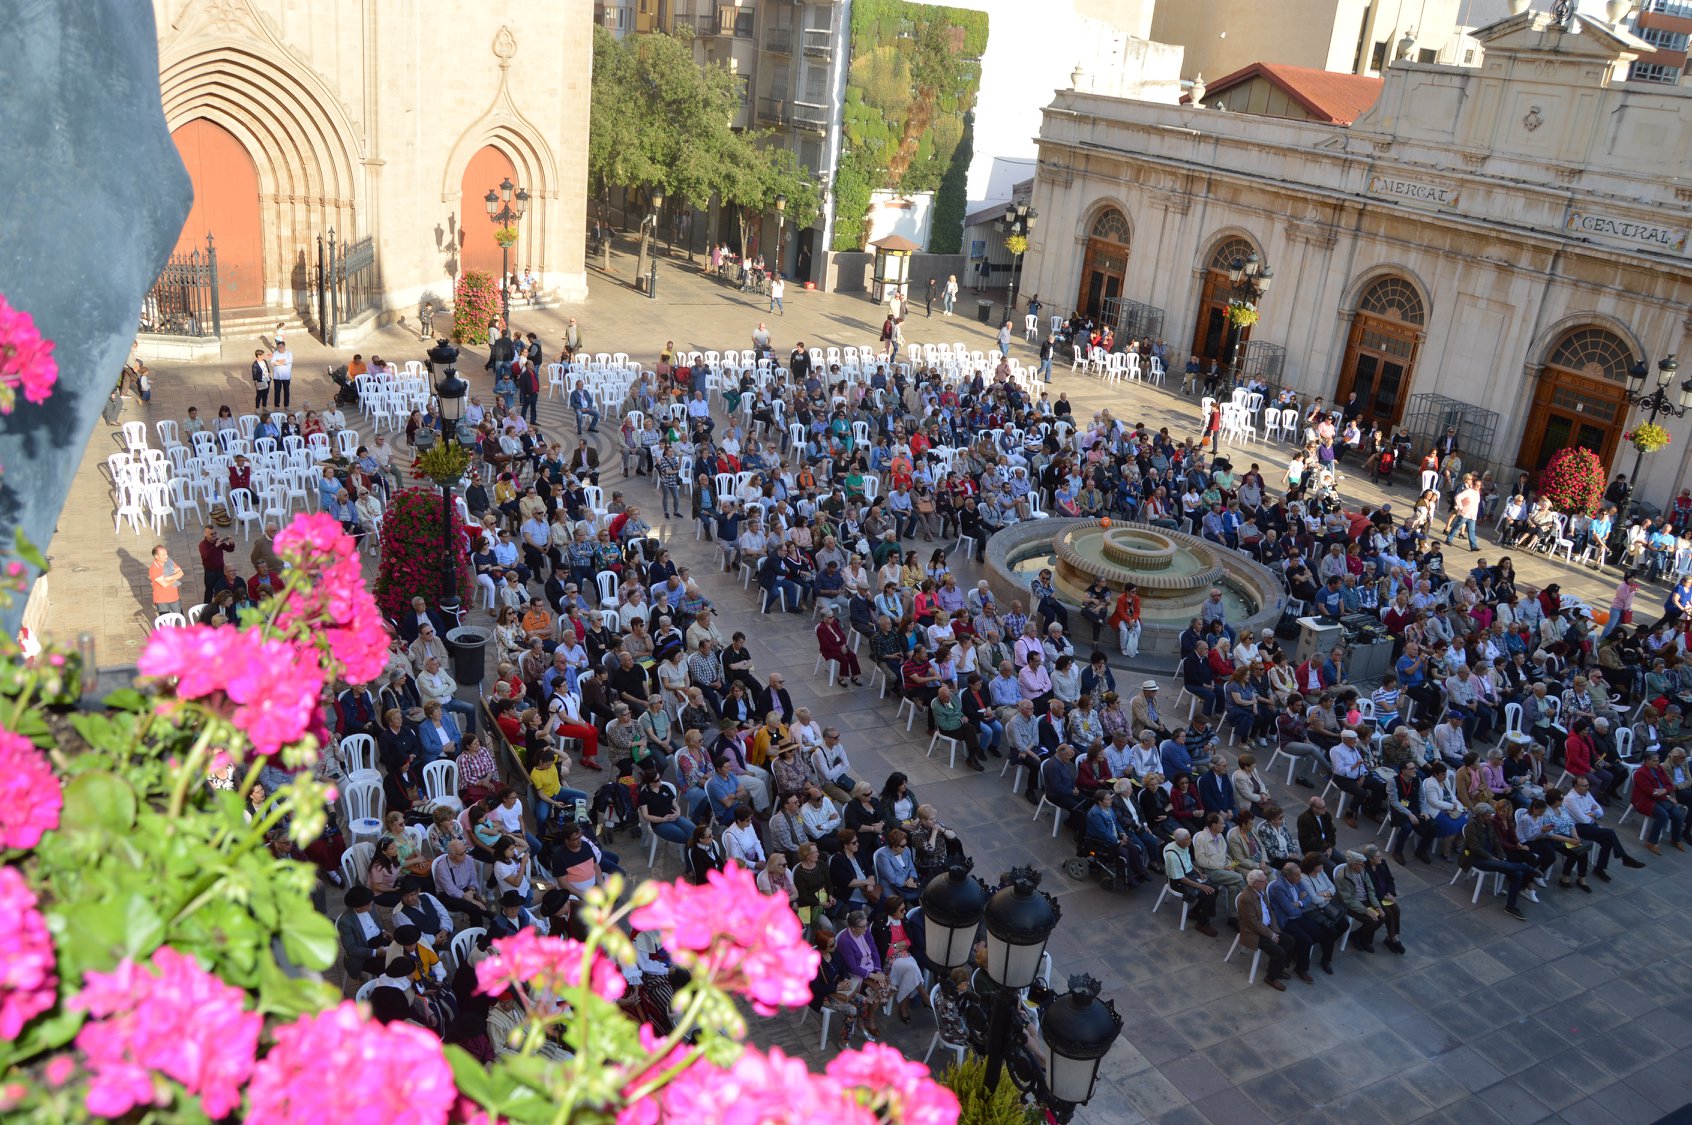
pixel 909 116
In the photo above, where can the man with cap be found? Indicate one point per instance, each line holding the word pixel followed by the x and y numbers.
pixel 1143 713
pixel 363 940
pixel 1448 738
pixel 430 918
pixel 1357 895
pixel 513 916
pixel 1348 773
pixel 1483 850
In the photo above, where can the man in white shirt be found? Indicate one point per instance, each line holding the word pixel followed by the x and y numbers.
pixel 435 684
pixel 831 767
pixel 1586 811
pixel 1448 738
pixel 281 375
pixel 819 815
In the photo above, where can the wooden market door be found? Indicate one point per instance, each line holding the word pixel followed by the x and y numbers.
pixel 1105 266
pixel 1580 398
pixel 1214 338
pixel 226 206
pixel 1380 353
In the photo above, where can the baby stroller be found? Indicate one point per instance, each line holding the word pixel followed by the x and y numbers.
pixel 346 394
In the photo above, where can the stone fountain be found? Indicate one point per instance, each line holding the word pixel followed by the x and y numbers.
pixel 1174 572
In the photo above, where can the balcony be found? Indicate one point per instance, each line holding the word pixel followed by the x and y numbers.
pixel 774 110
pixel 819 42
pixel 778 40
pixel 808 115
pixel 705 27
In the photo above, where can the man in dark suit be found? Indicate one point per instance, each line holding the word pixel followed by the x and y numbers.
pixel 775 698
pixel 1052 727
pixel 1199 679
pixel 1216 788
pixel 356 711
pixel 411 623
pixel 363 941
pixel 1258 932
pixel 1316 829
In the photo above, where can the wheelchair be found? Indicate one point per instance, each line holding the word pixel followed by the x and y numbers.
pixel 1095 855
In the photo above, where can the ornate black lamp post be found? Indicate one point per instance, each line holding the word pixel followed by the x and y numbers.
pixel 506 210
pixel 1656 403
pixel 449 393
pixel 1020 920
pixel 1250 280
pixel 1018 221
pixel 781 230
pixel 657 197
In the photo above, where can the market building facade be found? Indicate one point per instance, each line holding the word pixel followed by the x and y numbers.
pixel 1491 247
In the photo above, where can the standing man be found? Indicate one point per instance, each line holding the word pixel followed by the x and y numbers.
pixel 282 373
pixel 166 578
pixel 928 296
pixel 1046 347
pixel 1005 339
pixel 778 287
pixel 212 550
pixel 528 393
pixel 1466 504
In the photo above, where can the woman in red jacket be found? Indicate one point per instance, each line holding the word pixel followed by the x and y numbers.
pixel 1580 759
pixel 1654 798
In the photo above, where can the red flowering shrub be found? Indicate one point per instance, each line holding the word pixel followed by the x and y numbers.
pixel 1573 480
pixel 475 302
pixel 413 555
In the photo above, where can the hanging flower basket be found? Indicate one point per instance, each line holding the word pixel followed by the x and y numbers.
pixel 1648 437
pixel 505 236
pixel 1241 314
pixel 1017 244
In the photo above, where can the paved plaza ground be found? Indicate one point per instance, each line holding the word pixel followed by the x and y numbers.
pixel 1579 1014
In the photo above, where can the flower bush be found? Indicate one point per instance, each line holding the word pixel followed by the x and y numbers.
pixel 26 360
pixel 475 304
pixel 413 552
pixel 152 880
pixel 1573 480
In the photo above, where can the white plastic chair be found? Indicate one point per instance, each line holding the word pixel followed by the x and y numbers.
pixel 462 942
pixel 1163 894
pixel 958 1049
pixel 440 784
pixel 358 759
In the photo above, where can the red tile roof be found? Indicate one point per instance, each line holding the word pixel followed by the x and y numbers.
pixel 1325 94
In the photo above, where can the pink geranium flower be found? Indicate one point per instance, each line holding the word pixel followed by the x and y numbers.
pixel 268 688
pixel 758 1089
pixel 747 942
pixel 548 964
pixel 30 799
pixel 26 360
pixel 339 1066
pixel 28 983
pixel 887 1079
pixel 169 1016
pixel 337 607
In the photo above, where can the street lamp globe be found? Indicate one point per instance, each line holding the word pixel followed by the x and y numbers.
pixel 451 391
pixel 781 202
pixel 1020 921
pixel 505 186
pixel 952 905
pixel 522 201
pixel 657 199
pixel 1666 369
pixel 1079 1030
pixel 492 201
pixel 1236 270
pixel 1264 277
pixel 1636 376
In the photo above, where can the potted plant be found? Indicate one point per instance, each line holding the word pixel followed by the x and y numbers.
pixel 506 236
pixel 1242 314
pixel 1648 437
pixel 1573 480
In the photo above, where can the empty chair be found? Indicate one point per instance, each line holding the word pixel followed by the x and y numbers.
pixel 346 443
pixel 182 498
pixel 241 507
pixel 166 429
pixel 358 758
pixel 135 436
pixel 318 445
pixel 440 784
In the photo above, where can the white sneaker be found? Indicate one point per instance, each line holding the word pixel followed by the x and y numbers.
pixel 1531 895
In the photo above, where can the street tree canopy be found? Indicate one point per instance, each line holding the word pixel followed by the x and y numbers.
pixel 661 120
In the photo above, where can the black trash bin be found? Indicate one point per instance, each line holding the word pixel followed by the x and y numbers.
pixel 984 311
pixel 468 647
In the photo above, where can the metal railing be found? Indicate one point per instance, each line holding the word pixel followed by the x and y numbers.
pixel 779 40
pixel 184 298
pixel 809 115
pixel 819 42
pixel 774 110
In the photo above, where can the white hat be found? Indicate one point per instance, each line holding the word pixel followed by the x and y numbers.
pixel 1149 685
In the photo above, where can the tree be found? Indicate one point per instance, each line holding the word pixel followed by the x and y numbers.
pixel 757 173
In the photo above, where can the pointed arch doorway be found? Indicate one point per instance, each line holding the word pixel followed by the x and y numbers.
pixel 226 206
pixel 477 248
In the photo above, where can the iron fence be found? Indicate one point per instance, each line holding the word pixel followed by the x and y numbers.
pixel 184 298
pixel 348 282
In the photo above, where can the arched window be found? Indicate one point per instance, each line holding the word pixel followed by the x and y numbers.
pixel 1234 249
pixel 1393 298
pixel 1593 352
pixel 1112 226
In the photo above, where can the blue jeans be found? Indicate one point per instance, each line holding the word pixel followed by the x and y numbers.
pixel 992 732
pixel 1463 524
pixel 1667 814
pixel 677 831
pixel 1046 369
pixel 466 710
pixel 775 306
pixel 593 424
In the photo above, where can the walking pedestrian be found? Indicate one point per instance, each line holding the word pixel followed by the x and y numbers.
pixel 928 296
pixel 1046 348
pixel 1005 339
pixel 950 298
pixel 777 288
